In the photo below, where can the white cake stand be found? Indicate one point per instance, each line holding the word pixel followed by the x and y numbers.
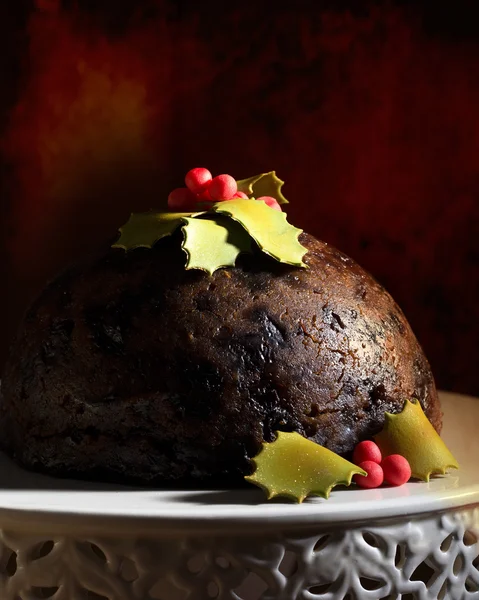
pixel 72 541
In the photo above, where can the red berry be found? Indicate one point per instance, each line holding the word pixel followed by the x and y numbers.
pixel 271 202
pixel 223 187
pixel 367 450
pixel 397 469
pixel 181 199
pixel 241 195
pixel 198 179
pixel 374 477
pixel 204 196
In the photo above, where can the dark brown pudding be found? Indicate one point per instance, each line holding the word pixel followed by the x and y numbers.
pixel 131 368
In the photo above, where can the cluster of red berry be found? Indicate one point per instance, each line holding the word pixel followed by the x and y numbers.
pixel 202 188
pixel 394 469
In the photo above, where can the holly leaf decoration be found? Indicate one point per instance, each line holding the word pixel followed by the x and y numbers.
pixel 268 227
pixel 143 230
pixel 410 434
pixel 212 244
pixel 216 240
pixel 296 467
pixel 264 184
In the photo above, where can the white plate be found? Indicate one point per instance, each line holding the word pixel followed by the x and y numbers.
pixel 31 498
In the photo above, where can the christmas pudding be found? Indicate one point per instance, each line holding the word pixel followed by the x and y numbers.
pixel 202 333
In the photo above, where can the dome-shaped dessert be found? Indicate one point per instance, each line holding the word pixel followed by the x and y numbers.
pixel 133 368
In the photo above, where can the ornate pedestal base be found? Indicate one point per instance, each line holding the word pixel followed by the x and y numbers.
pixel 427 557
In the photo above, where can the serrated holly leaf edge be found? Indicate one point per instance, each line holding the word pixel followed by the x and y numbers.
pixel 176 218
pixel 390 417
pixel 270 494
pixel 222 207
pixel 217 208
pixel 188 254
pixel 247 185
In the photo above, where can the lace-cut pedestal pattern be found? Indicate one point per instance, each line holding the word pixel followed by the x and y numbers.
pixel 423 558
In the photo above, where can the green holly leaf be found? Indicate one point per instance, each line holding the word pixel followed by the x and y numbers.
pixel 410 434
pixel 296 467
pixel 264 184
pixel 212 244
pixel 268 227
pixel 143 230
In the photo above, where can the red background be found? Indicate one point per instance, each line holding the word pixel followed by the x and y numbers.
pixel 370 115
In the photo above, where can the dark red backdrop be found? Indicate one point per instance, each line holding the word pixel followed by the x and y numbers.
pixel 371 117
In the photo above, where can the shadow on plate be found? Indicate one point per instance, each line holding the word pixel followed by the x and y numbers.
pixel 15 478
pixel 250 497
